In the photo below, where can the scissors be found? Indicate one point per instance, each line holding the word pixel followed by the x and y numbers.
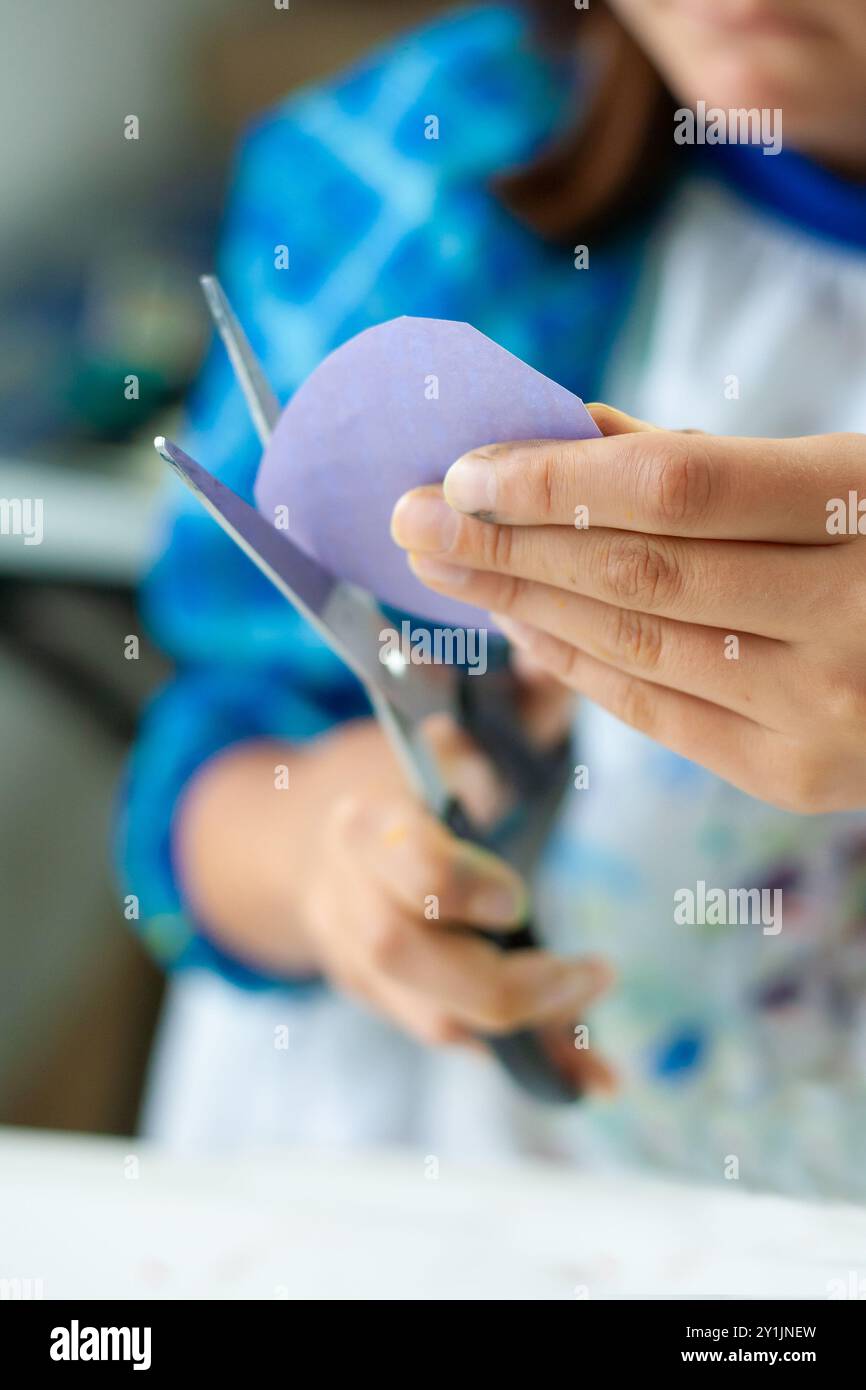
pixel 402 694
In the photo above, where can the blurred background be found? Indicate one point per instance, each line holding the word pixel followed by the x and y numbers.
pixel 102 239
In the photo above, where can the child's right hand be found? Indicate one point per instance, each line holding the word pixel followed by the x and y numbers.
pixel 347 874
pixel 388 909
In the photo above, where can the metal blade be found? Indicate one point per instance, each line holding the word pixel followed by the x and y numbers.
pixel 345 617
pixel 299 579
pixel 261 402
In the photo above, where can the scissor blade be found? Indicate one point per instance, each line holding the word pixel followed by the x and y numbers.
pixel 303 582
pixel 261 402
pixel 347 619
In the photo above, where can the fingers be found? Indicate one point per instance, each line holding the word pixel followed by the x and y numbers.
pixel 378 940
pixel 719 739
pixel 426 870
pixel 486 990
pixel 770 590
pixel 613 421
pixel 354 969
pixel 467 772
pixel 663 482
pixel 433 1023
pixel 584 1068
pixel 546 705
pixel 707 662
pixel 424 1019
pixel 438 984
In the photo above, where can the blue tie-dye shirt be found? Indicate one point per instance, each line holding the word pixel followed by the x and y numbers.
pixel 374 189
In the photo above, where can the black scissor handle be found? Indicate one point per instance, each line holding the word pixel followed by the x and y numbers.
pixel 522 1054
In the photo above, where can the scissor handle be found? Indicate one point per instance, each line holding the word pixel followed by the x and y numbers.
pixel 487 711
pixel 521 1054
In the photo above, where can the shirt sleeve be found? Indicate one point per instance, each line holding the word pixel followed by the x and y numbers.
pixel 247 665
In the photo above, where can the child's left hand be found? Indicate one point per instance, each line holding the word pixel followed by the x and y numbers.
pixel 708 603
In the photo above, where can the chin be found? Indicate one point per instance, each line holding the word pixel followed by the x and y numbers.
pixel 734 83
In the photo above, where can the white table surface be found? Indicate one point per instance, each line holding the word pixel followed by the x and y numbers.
pixel 304 1225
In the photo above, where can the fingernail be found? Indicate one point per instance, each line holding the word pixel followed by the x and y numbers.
pixel 498 904
pixel 470 485
pixel 438 571
pixel 577 985
pixel 423 521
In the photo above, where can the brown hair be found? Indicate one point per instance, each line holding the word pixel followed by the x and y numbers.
pixel 608 165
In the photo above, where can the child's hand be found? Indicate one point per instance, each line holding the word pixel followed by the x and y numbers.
pixel 386 905
pixel 708 603
pixel 345 874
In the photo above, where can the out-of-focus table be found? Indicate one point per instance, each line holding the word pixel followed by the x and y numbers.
pixel 95 1218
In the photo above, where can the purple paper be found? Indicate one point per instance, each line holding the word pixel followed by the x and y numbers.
pixel 388 411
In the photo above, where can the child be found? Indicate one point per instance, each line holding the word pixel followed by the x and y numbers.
pixel 478 171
